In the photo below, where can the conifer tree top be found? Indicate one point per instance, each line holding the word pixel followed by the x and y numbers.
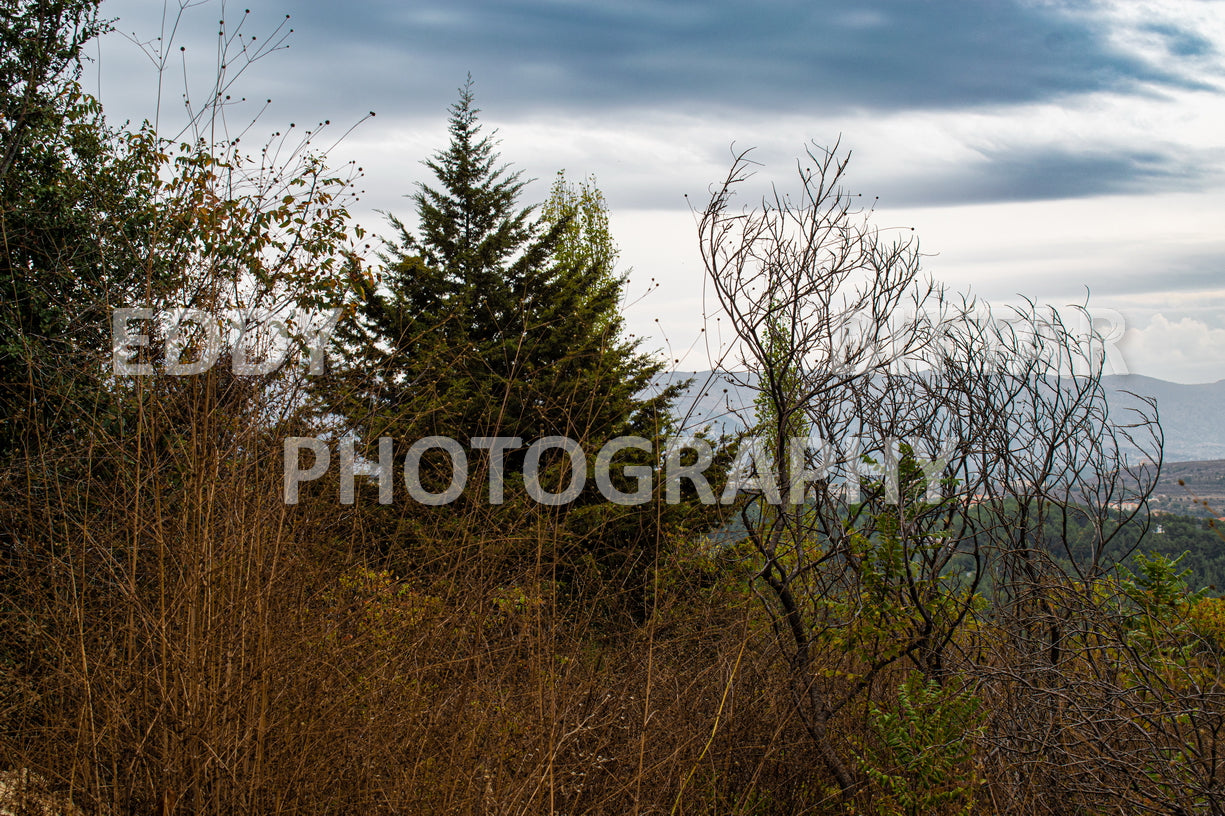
pixel 470 225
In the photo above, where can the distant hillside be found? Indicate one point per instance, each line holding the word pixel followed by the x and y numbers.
pixel 1202 481
pixel 1192 416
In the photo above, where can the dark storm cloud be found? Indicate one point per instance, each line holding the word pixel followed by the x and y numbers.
pixel 712 60
pixel 1182 43
pixel 793 56
pixel 1036 174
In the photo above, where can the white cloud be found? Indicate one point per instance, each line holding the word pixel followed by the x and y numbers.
pixel 1184 350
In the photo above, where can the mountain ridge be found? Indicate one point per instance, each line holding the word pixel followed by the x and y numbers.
pixel 1192 416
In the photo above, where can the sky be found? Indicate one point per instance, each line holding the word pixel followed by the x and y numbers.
pixel 1056 151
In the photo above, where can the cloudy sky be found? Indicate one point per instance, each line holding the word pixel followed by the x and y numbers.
pixel 1038 148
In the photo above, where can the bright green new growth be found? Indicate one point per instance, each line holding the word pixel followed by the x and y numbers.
pixel 586 238
pixel 585 247
pixel 922 759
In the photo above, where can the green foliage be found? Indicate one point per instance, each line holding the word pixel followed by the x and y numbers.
pixel 1160 621
pixel 1070 532
pixel 377 609
pixel 72 206
pixel 1158 586
pixel 586 238
pixel 471 228
pixel 921 756
pixel 39 62
pixel 1207 619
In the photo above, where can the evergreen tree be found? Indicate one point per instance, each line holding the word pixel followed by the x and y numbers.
pixel 491 320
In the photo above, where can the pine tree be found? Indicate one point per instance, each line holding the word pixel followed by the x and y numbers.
pixel 493 321
pixel 489 321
